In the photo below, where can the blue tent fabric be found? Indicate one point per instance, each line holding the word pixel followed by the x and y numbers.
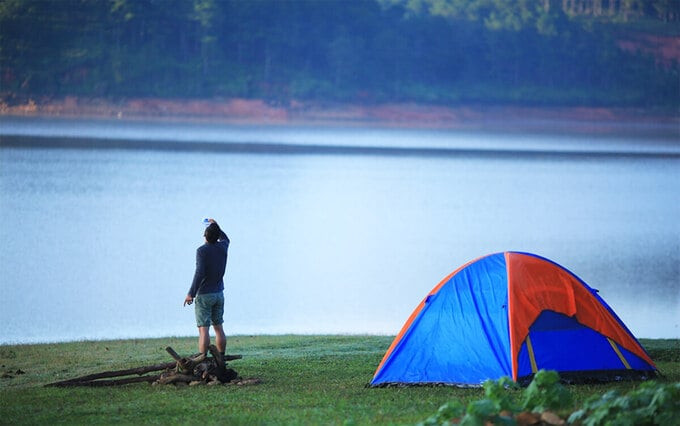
pixel 561 343
pixel 460 335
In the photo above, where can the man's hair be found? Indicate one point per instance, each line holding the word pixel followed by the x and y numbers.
pixel 212 233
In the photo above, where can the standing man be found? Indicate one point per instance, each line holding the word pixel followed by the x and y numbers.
pixel 207 289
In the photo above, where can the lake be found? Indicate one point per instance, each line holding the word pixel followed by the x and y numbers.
pixel 333 230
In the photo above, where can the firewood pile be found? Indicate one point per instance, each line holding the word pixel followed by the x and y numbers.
pixel 193 370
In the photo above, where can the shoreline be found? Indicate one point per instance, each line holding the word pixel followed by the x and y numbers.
pixel 251 112
pixel 192 338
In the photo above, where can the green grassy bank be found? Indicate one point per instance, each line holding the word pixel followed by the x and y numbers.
pixel 305 380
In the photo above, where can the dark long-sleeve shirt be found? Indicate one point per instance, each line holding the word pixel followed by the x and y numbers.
pixel 211 261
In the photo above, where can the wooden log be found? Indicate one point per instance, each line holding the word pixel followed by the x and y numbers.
pixel 226 357
pixel 218 358
pixel 182 363
pixel 198 358
pixel 191 363
pixel 185 365
pixel 172 353
pixel 224 374
pixel 178 377
pixel 118 373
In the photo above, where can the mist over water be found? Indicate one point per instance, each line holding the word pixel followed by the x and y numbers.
pixel 100 243
pixel 617 138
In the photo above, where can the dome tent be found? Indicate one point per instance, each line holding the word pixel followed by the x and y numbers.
pixel 511 314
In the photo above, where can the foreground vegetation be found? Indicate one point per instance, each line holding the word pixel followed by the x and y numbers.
pixel 545 399
pixel 305 380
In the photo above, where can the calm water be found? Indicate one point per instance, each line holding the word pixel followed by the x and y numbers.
pixel 100 243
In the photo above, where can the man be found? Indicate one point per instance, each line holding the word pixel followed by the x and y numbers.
pixel 207 288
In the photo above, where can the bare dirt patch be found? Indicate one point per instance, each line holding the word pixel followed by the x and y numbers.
pixel 402 115
pixel 665 49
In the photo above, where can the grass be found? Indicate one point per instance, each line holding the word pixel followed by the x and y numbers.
pixel 305 380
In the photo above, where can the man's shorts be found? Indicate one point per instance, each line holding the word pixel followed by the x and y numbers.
pixel 209 309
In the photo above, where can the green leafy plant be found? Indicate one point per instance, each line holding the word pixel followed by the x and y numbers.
pixel 497 407
pixel 545 392
pixel 446 414
pixel 483 411
pixel 650 404
pixel 498 392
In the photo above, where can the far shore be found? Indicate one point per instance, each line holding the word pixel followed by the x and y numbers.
pixel 398 115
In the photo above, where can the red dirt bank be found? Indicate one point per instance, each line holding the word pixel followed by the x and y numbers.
pixel 258 112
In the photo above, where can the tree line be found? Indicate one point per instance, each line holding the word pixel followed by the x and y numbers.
pixel 552 52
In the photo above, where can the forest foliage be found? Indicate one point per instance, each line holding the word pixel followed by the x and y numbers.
pixel 537 52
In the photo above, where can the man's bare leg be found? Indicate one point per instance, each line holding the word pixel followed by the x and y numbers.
pixel 203 339
pixel 220 338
